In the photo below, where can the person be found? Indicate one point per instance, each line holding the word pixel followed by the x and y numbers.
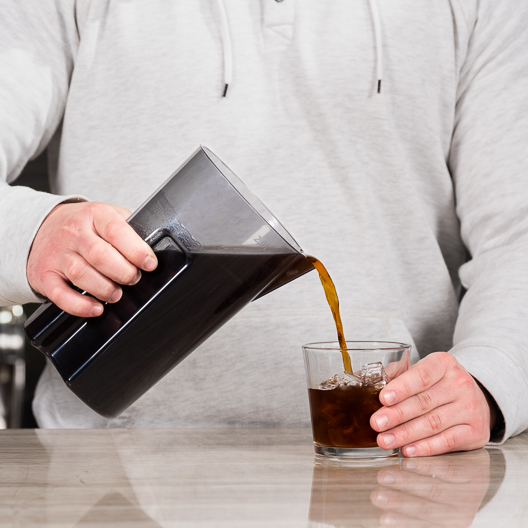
pixel 388 137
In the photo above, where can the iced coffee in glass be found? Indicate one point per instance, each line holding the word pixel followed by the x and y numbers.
pixel 344 387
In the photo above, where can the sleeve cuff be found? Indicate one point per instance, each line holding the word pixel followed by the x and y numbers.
pixel 498 371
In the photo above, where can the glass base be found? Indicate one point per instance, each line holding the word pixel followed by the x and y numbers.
pixel 354 452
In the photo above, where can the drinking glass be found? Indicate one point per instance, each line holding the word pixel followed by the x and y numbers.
pixel 341 403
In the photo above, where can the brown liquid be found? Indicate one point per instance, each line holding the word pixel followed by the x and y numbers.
pixel 333 302
pixel 341 416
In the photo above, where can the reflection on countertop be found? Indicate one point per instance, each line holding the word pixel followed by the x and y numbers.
pixel 437 491
pixel 246 478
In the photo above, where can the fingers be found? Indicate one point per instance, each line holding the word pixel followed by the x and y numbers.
pixel 416 405
pixel 112 228
pixel 109 262
pixel 419 378
pixel 415 442
pixel 457 438
pixel 81 274
pixel 432 403
pixel 432 423
pixel 59 292
pixel 91 246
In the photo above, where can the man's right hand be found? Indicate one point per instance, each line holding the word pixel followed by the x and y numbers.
pixel 91 246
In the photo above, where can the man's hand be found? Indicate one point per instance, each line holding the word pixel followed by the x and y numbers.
pixel 91 246
pixel 435 407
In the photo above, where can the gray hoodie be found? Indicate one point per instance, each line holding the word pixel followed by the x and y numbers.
pixel 410 195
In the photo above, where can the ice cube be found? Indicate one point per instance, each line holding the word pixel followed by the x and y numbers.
pixel 350 380
pixel 373 374
pixel 331 383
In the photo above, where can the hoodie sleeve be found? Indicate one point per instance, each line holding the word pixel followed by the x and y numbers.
pixel 489 165
pixel 38 41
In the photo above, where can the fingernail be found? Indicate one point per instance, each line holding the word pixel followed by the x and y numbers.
pixel 150 264
pixel 410 451
pixel 97 310
pixel 381 497
pixel 116 295
pixel 136 279
pixel 388 520
pixel 387 479
pixel 409 464
pixel 388 439
pixel 381 422
pixel 389 397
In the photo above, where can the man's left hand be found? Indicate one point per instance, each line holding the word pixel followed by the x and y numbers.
pixel 433 408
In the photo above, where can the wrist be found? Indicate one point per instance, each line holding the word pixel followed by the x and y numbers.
pixel 496 418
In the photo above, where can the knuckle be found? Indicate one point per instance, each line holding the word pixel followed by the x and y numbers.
pixel 77 270
pixel 466 381
pixel 404 433
pixel 424 400
pixel 95 208
pixel 42 275
pixel 114 229
pixel 450 441
pixel 97 253
pixel 434 421
pixel 425 378
pixel 447 361
pixel 56 295
pixel 400 413
pixel 426 449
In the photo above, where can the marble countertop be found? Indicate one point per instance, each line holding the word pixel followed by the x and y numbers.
pixel 247 478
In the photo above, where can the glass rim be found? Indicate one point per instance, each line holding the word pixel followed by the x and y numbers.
pixel 334 346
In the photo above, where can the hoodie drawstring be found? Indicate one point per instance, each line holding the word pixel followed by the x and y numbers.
pixel 227 46
pixel 377 35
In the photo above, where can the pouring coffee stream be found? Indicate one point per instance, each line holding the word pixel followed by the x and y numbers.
pixel 333 302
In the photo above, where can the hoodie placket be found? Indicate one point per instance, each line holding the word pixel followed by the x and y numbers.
pixel 278 23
